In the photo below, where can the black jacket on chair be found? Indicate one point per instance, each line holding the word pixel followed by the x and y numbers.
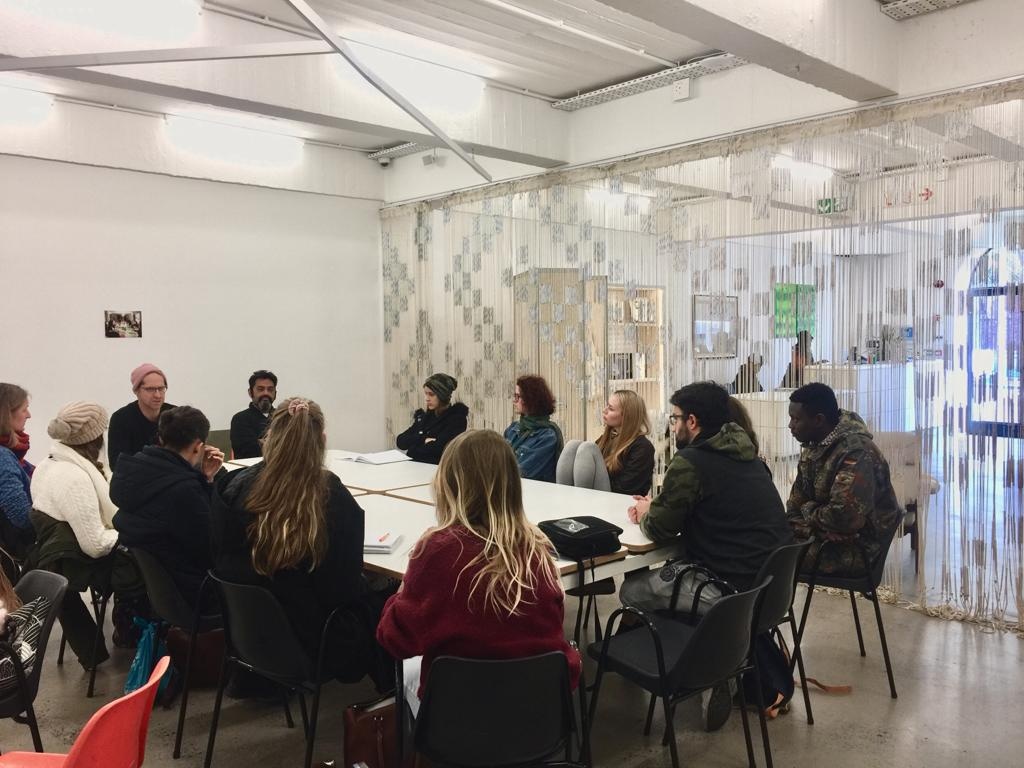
pixel 443 429
pixel 164 508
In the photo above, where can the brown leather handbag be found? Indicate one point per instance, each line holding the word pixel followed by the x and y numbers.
pixel 370 736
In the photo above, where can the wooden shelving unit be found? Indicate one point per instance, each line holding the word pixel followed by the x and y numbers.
pixel 636 350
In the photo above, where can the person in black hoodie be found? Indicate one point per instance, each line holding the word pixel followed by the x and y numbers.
pixel 442 421
pixel 289 525
pixel 163 495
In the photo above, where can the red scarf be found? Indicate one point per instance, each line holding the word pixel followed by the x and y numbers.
pixel 20 447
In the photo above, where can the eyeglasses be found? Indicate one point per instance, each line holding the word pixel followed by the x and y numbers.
pixel 153 390
pixel 674 417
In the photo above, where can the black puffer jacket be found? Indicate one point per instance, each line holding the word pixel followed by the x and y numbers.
pixel 164 509
pixel 440 430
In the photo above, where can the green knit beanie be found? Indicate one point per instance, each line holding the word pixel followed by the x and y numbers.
pixel 442 385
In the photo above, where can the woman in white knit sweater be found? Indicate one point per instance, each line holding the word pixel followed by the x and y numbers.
pixel 72 514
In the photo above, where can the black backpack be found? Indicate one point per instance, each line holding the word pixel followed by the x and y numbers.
pixel 581 538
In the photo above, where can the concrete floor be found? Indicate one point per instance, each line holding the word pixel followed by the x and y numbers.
pixel 957 691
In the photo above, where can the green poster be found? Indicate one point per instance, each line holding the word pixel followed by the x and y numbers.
pixel 794 309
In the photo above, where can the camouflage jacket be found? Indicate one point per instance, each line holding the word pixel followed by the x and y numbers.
pixel 843 493
pixel 720 497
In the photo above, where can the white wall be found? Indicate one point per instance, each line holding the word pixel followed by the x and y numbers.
pixel 229 278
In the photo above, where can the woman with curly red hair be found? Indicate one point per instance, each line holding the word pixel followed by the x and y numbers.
pixel 535 439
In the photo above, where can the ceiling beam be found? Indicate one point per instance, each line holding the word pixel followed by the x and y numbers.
pixel 165 55
pixel 340 46
pixel 822 44
pixel 978 139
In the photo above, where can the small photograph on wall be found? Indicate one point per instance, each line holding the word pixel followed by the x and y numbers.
pixel 715 326
pixel 122 325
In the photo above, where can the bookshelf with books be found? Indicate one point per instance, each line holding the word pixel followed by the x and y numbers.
pixel 636 352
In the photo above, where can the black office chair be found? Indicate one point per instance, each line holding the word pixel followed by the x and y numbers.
pixel 173 609
pixel 866 582
pixel 675 660
pixel 259 637
pixel 495 713
pixel 17 703
pixel 99 600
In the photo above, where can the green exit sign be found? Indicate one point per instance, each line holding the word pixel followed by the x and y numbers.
pixel 827 205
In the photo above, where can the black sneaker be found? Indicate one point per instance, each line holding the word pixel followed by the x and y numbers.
pixel 718 708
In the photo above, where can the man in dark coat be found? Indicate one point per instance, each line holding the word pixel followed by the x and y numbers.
pixel 248 426
pixel 163 498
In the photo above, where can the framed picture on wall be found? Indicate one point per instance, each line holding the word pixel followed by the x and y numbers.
pixel 715 326
pixel 122 325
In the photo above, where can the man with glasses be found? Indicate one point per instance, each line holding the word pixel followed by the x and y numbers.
pixel 718 498
pixel 134 426
pixel 248 426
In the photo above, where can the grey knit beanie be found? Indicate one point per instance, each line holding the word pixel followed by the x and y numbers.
pixel 78 423
pixel 442 385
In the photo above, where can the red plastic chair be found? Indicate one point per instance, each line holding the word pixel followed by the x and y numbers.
pixel 106 741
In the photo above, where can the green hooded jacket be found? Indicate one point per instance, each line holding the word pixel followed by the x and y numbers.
pixel 718 496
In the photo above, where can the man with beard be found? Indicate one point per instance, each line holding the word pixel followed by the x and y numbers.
pixel 718 498
pixel 163 498
pixel 248 426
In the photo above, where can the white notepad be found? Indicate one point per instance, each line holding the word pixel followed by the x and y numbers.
pixel 381 457
pixel 380 542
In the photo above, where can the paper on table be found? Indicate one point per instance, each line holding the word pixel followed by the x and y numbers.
pixel 381 542
pixel 381 457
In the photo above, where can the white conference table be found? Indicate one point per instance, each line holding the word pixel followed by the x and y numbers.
pixel 550 501
pixel 410 519
pixel 398 498
pixel 372 478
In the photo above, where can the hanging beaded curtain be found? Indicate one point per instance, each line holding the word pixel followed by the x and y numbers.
pixel 878 252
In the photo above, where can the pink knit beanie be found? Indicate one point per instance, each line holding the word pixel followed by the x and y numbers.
pixel 142 372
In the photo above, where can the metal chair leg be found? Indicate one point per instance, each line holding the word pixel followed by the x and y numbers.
pixel 184 693
pixel 304 714
pixel 33 726
pixel 216 710
pixel 311 733
pixel 885 646
pixel 650 714
pixel 670 732
pixel 746 721
pixel 856 621
pixel 760 712
pixel 287 709
pixel 100 608
pixel 798 657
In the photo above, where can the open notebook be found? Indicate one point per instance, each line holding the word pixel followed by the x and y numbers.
pixel 380 542
pixel 381 457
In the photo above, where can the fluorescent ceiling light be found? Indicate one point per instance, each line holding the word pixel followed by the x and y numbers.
pixel 705 66
pixel 233 144
pixel 157 20
pixel 21 107
pixel 905 9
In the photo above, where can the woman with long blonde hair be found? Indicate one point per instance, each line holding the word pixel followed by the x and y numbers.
pixel 622 459
pixel 482 583
pixel 289 524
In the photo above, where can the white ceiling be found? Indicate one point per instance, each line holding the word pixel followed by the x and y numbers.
pixel 500 44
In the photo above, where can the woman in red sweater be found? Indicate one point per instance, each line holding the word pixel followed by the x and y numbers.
pixel 482 584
